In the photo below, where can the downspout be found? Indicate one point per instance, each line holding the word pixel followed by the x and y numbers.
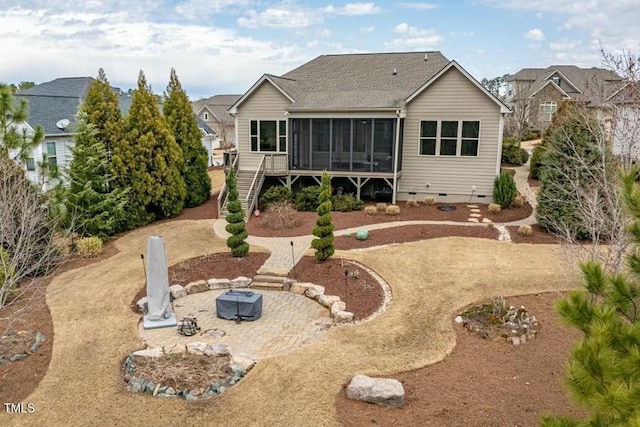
pixel 500 132
pixel 395 158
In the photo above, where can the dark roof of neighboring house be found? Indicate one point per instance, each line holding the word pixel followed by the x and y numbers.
pixel 60 99
pixel 218 105
pixel 596 84
pixel 352 81
pixel 205 127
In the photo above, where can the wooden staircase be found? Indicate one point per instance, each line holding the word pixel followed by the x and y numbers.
pixel 244 178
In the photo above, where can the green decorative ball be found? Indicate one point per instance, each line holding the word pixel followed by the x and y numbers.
pixel 362 235
pixel 347 234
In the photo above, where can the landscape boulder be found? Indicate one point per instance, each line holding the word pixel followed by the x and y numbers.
pixel 177 291
pixel 219 283
pixel 240 282
pixel 381 391
pixel 328 300
pixel 196 287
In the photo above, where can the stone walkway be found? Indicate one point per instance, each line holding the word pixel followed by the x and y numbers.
pixel 288 322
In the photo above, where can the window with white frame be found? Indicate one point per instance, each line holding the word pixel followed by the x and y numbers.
pixel 52 158
pixel 547 109
pixel 206 115
pixel 31 164
pixel 268 135
pixel 449 137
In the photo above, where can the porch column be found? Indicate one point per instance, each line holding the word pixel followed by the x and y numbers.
pixel 395 159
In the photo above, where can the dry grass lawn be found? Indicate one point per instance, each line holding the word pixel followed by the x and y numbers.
pixel 217 179
pixel 95 330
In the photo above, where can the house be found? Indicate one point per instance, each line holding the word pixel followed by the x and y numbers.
pixel 625 112
pixel 210 140
pixel 54 105
pixel 400 125
pixel 535 93
pixel 214 112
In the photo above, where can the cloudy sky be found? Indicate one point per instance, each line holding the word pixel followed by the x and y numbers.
pixel 224 46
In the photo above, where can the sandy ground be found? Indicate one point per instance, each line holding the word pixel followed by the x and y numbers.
pixel 95 330
pixel 217 179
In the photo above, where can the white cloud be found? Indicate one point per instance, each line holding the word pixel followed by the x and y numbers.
pixel 369 29
pixel 280 17
pixel 199 9
pixel 414 38
pixel 564 45
pixel 354 9
pixel 534 34
pixel 418 6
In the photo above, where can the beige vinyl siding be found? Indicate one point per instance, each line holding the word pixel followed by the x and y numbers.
pixel 265 103
pixel 451 97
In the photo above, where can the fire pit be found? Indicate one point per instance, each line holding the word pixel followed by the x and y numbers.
pixel 239 305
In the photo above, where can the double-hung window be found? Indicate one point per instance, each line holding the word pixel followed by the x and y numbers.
pixel 269 135
pixel 31 164
pixel 546 111
pixel 449 137
pixel 52 158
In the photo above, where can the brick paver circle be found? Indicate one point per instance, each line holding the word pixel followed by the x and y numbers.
pixel 288 322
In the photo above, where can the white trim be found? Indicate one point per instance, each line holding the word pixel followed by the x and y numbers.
pixel 459 138
pixel 266 77
pixel 278 135
pixel 499 154
pixel 209 110
pixel 454 64
pixel 551 82
pixel 565 79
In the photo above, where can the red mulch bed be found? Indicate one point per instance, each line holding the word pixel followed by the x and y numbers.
pixel 533 182
pixel 540 235
pixel 260 226
pixel 483 382
pixel 207 210
pixel 365 295
pixel 412 233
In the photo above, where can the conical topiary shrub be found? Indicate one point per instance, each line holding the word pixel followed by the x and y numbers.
pixel 324 225
pixel 235 218
pixel 504 190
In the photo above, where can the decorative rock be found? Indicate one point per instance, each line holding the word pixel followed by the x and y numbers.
pixel 17 357
pixel 177 291
pixel 343 317
pixel 314 292
pixel 149 352
pixel 338 306
pixel 216 350
pixel 486 220
pixel 170 391
pixel 286 284
pixel 301 287
pixel 36 344
pixel 242 362
pixel 240 282
pixel 156 390
pixel 149 387
pixel 347 234
pixel 142 304
pixel 176 349
pixel 197 347
pixel 3 361
pixel 136 384
pixel 196 287
pixel 189 397
pixel 515 340
pixel 381 391
pixel 362 234
pixel 473 220
pixel 328 300
pixel 475 215
pixel 458 319
pixel 219 283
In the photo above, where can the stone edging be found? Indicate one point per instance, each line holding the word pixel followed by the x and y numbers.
pixel 239 365
pixel 37 341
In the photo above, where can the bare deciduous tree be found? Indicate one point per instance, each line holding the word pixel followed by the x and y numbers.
pixel 27 233
pixel 517 123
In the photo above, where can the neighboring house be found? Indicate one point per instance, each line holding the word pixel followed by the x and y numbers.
pixel 54 105
pixel 210 140
pixel 625 107
pixel 536 93
pixel 214 112
pixel 404 125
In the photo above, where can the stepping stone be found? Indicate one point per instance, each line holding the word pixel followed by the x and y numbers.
pixel 486 220
pixel 270 286
pixel 473 220
pixel 475 215
pixel 472 206
pixel 475 210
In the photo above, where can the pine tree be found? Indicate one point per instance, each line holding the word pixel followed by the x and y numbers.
pixel 148 161
pixel 94 204
pixel 603 373
pixel 324 226
pixel 16 142
pixel 235 218
pixel 182 122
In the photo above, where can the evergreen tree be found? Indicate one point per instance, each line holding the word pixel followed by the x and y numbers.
pixel 235 218
pixel 148 161
pixel 96 206
pixel 324 225
pixel 603 373
pixel 15 141
pixel 574 163
pixel 182 122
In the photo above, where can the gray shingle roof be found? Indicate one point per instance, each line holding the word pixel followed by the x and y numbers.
pixel 596 84
pixel 60 99
pixel 218 105
pixel 359 81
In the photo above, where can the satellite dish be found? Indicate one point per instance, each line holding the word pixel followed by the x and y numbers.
pixel 62 124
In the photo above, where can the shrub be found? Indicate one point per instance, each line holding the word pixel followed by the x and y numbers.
pixel 89 247
pixel 511 151
pixel 429 201
pixel 524 156
pixel 525 230
pixel 504 190
pixel 370 210
pixel 345 203
pixel 491 226
pixel 412 203
pixel 518 201
pixel 534 165
pixel 382 207
pixel 275 194
pixel 323 230
pixel 494 209
pixel 393 210
pixel 235 218
pixel 307 198
pixel 282 215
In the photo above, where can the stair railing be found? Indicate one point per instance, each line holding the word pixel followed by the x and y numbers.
pixel 252 199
